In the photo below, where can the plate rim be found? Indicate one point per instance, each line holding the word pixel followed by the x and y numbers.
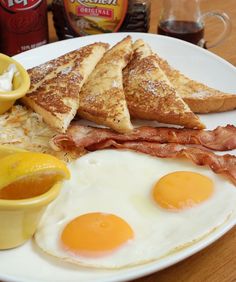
pixel 152 267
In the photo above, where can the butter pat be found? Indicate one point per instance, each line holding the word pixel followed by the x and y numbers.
pixel 6 78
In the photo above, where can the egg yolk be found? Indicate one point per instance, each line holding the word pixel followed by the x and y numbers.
pixel 182 189
pixel 95 234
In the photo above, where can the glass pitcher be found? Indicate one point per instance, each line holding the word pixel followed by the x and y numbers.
pixel 183 19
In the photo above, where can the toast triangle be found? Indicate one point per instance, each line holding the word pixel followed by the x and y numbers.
pixel 56 96
pixel 199 97
pixel 149 93
pixel 102 98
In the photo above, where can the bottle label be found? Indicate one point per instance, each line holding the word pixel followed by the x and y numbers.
pixel 19 5
pixel 95 16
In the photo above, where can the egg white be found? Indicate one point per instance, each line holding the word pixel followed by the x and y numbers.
pixel 120 182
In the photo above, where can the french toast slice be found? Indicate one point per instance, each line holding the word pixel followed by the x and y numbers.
pixel 102 98
pixel 56 96
pixel 199 97
pixel 149 93
pixel 50 69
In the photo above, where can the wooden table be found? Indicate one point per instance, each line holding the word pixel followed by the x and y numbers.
pixel 217 263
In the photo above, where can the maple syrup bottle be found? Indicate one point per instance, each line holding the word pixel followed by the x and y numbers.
pixel 85 17
pixel 184 20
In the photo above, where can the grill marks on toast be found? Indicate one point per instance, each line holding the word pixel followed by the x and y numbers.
pixel 149 93
pixel 199 97
pixel 56 97
pixel 102 98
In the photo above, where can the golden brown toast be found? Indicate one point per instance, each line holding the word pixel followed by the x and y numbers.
pixel 149 93
pixel 56 97
pixel 102 98
pixel 199 97
pixel 50 69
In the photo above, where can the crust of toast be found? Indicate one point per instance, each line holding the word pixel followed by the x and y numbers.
pixel 199 97
pixel 102 98
pixel 149 93
pixel 56 97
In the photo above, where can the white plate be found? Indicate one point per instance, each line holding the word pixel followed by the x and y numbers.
pixel 27 263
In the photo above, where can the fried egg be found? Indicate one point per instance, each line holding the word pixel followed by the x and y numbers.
pixel 122 208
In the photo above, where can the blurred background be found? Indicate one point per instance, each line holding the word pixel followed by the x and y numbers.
pixel 227 49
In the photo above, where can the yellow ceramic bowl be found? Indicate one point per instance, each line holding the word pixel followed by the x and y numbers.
pixel 21 83
pixel 19 218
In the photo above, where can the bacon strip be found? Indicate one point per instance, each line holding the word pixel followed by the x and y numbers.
pixel 224 165
pixel 160 142
pixel 220 139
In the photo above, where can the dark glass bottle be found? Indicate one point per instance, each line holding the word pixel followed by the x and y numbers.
pixel 137 18
pixel 23 25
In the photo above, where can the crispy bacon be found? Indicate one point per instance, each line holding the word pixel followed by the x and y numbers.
pixel 220 139
pixel 160 142
pixel 224 165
